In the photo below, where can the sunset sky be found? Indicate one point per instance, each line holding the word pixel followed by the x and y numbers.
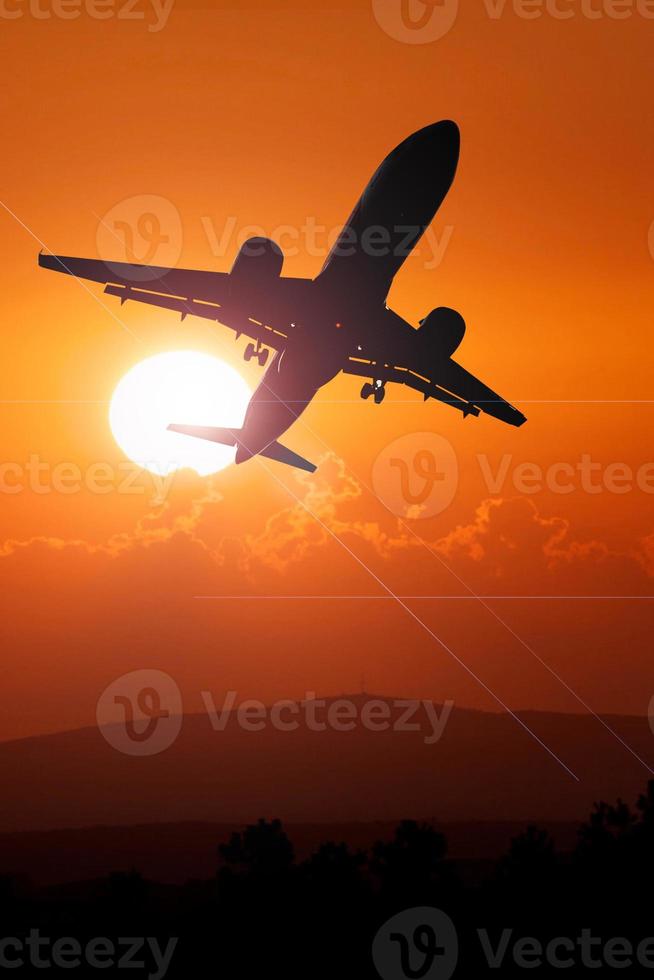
pixel 275 116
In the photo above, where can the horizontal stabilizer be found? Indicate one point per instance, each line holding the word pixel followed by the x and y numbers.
pixel 227 437
pixel 230 437
pixel 283 455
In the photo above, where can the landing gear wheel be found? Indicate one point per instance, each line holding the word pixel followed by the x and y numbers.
pixel 262 357
pixel 380 394
pixel 250 352
pixel 367 391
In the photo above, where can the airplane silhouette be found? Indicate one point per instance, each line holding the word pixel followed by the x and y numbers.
pixel 336 322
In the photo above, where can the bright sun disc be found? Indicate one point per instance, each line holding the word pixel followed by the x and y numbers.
pixel 183 387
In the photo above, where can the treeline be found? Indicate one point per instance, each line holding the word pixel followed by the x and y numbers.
pixel 264 911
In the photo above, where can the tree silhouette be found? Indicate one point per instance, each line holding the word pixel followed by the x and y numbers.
pixel 531 858
pixel 603 850
pixel 334 875
pixel 262 849
pixel 319 917
pixel 615 856
pixel 412 865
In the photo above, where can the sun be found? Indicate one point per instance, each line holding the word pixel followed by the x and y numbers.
pixel 185 387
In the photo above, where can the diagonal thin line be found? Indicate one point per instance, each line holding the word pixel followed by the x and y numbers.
pixel 419 621
pixel 386 588
pixel 415 617
pixel 527 646
pixel 493 613
pixel 72 274
pixel 391 593
pixel 516 636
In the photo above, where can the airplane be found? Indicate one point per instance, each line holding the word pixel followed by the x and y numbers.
pixel 338 321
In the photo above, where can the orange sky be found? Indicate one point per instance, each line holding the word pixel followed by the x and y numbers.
pixel 270 115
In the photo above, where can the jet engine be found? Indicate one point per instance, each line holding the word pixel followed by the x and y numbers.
pixel 441 332
pixel 258 261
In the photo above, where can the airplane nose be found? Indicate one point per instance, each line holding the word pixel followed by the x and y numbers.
pixel 438 143
pixel 448 125
pixel 445 133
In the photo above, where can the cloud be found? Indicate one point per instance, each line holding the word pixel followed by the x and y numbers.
pixel 507 539
pixel 128 602
pixel 309 523
pixel 180 514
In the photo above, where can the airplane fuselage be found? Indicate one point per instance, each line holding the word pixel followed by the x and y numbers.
pixel 325 331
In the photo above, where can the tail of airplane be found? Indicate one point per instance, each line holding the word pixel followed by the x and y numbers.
pixel 231 437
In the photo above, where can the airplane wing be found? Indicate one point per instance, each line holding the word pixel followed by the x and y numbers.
pixel 450 384
pixel 452 377
pixel 186 291
pixel 393 212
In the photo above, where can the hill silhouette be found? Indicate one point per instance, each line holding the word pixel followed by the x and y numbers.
pixel 485 767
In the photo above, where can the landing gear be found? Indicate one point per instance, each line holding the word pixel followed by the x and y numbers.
pixel 258 352
pixel 377 390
